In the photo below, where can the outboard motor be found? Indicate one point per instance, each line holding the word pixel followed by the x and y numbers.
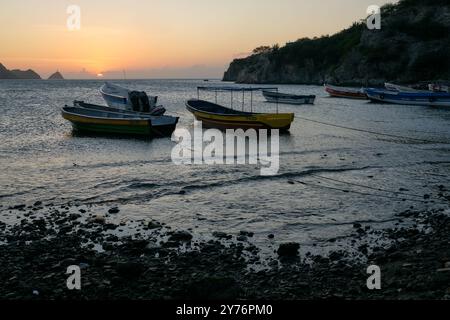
pixel 144 102
pixel 139 101
pixel 133 96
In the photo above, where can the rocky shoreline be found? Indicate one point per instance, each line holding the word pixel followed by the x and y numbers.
pixel 160 263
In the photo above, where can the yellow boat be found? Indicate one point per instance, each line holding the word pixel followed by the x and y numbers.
pixel 214 115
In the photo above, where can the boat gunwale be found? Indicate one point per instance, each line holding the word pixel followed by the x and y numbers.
pixel 287 95
pixel 124 113
pixel 113 110
pixel 101 118
pixel 345 90
pixel 242 113
pixel 424 95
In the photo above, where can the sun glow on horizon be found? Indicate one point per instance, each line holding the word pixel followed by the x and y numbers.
pixel 198 37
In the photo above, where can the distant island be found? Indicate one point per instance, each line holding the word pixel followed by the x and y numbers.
pixel 56 76
pixel 25 75
pixel 412 45
pixel 17 74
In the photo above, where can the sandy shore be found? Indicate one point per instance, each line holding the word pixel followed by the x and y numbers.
pixel 160 263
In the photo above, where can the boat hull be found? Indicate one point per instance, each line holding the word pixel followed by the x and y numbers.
pixel 132 127
pixel 116 102
pixel 95 121
pixel 349 93
pixel 276 97
pixel 410 98
pixel 230 119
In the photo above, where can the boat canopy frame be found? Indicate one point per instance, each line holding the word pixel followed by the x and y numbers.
pixel 231 89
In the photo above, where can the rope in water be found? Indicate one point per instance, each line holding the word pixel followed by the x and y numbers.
pixel 369 187
pixel 364 193
pixel 372 132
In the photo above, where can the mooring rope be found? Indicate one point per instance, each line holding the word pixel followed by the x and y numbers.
pixel 372 132
pixel 369 187
pixel 366 194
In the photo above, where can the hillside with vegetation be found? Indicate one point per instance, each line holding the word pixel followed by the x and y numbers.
pixel 412 45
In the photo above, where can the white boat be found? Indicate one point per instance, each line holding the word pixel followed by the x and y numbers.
pixel 436 87
pixel 278 97
pixel 399 88
pixel 121 98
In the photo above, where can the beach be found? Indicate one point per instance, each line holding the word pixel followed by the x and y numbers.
pixel 359 184
pixel 164 264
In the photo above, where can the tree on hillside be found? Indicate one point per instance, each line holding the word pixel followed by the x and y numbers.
pixel 262 49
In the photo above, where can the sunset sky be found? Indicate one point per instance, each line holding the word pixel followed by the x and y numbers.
pixel 159 38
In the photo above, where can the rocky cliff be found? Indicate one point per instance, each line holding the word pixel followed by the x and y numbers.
pixel 5 73
pixel 412 45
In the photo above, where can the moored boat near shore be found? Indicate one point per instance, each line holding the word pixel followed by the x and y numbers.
pixel 121 98
pixel 344 92
pixel 108 122
pixel 278 97
pixel 214 115
pixel 434 99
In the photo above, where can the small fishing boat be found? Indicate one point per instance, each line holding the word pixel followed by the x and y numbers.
pixel 101 121
pixel 214 115
pixel 343 92
pixel 121 98
pixel 278 97
pixel 434 99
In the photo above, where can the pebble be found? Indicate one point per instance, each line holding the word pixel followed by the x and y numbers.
pixel 154 225
pixel 288 249
pixel 114 210
pixel 182 236
pixel 98 219
pixel 241 238
pixel 246 233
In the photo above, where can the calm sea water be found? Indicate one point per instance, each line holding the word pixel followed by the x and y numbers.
pixel 337 173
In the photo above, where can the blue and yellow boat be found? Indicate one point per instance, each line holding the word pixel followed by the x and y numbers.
pixel 213 115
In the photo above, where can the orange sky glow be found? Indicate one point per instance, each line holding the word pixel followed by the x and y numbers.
pixel 159 38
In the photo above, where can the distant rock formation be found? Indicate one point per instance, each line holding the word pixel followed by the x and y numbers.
pixel 5 73
pixel 412 45
pixel 56 76
pixel 28 74
pixel 17 74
